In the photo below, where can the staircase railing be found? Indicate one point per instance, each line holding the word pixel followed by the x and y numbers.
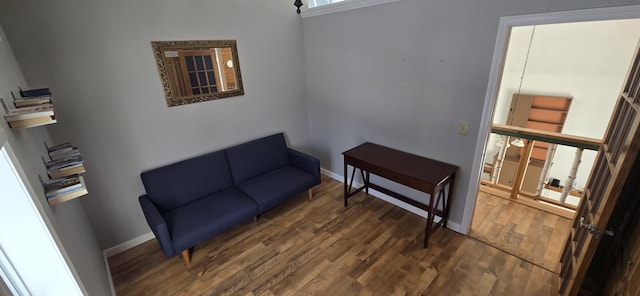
pixel 554 139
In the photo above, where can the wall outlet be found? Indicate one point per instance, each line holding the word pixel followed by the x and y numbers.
pixel 463 128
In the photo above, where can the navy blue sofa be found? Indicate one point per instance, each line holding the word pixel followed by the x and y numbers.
pixel 190 201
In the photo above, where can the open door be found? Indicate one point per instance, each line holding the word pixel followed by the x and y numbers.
pixel 611 169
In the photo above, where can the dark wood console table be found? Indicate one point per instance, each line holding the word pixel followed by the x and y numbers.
pixel 420 173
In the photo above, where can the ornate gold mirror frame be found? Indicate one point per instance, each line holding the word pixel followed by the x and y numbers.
pixel 198 70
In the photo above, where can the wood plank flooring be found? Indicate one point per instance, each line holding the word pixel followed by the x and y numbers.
pixel 322 248
pixel 528 233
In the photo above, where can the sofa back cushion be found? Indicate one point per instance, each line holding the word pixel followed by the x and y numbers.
pixel 183 182
pixel 257 157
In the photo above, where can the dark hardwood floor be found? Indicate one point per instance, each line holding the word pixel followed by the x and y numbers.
pixel 321 248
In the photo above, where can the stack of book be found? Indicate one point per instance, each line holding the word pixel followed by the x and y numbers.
pixel 65 161
pixel 30 116
pixel 63 189
pixel 62 151
pixel 64 168
pixel 33 97
pixel 36 92
pixel 31 101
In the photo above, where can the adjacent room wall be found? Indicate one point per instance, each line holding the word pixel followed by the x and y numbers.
pixel 67 221
pixel 405 74
pixel 96 57
pixel 585 61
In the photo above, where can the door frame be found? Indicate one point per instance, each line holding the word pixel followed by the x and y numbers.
pixel 495 77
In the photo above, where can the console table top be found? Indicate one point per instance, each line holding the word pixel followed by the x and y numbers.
pixel 426 169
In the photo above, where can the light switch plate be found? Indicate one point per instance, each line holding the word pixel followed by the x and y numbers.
pixel 463 128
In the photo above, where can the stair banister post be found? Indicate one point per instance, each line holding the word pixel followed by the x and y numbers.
pixel 545 168
pixel 568 185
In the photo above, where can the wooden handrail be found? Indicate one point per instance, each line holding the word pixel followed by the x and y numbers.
pixel 546 136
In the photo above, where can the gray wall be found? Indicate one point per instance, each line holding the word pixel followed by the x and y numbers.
pixel 97 58
pixel 68 222
pixel 402 74
pixel 405 74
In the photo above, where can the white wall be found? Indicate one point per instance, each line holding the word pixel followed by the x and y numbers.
pixel 587 61
pixel 97 58
pixel 68 223
pixel 404 74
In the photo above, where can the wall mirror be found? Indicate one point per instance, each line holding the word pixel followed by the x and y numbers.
pixel 198 70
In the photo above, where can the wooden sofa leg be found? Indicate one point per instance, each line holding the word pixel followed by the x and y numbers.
pixel 187 257
pixel 255 219
pixel 310 194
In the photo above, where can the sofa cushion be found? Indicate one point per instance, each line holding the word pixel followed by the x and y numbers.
pixel 201 220
pixel 180 183
pixel 257 157
pixel 274 187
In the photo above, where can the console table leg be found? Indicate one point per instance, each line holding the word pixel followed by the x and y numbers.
pixel 346 189
pixel 430 214
pixel 446 200
pixel 366 182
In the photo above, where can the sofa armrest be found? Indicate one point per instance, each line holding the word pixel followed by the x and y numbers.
pixel 157 224
pixel 305 162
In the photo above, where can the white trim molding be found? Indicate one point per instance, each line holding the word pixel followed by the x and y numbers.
pixel 342 6
pixel 115 250
pixel 500 49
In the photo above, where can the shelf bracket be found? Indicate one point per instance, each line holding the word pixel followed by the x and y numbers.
pixel 4 106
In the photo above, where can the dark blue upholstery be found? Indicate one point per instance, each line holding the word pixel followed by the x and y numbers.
pixel 274 187
pixel 183 182
pixel 158 225
pixel 190 201
pixel 310 165
pixel 257 157
pixel 209 216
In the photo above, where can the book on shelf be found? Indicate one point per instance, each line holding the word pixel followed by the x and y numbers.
pixel 63 150
pixel 67 196
pixel 24 113
pixel 32 122
pixel 66 154
pixel 59 146
pixel 54 185
pixel 65 166
pixel 36 92
pixel 66 172
pixel 61 186
pixel 63 189
pixel 64 162
pixel 31 101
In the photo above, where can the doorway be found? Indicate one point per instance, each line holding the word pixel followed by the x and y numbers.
pixel 30 259
pixel 499 221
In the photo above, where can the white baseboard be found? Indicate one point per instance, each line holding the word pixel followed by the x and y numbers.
pixel 128 244
pixel 119 249
pixel 420 212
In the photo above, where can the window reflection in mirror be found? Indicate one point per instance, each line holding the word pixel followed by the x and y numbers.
pixel 197 71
